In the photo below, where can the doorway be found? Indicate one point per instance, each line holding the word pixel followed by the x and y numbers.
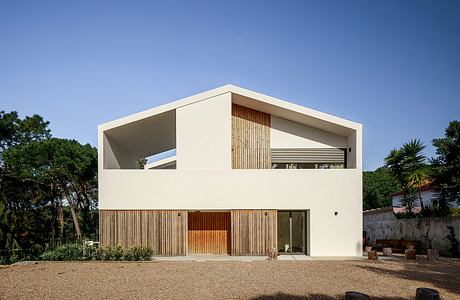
pixel 209 232
pixel 292 233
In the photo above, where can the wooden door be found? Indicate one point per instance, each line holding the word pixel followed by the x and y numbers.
pixel 209 232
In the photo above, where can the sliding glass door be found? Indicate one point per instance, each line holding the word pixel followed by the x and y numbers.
pixel 291 232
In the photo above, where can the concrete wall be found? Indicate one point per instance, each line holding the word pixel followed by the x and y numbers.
pixel 323 192
pixel 386 226
pixel 204 134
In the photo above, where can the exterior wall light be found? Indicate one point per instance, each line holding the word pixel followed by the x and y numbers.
pixel 336 213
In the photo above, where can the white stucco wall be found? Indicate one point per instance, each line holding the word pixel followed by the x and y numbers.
pixel 203 137
pixel 116 157
pixel 323 192
pixel 288 134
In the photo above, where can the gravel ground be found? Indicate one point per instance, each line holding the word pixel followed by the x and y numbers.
pixel 391 279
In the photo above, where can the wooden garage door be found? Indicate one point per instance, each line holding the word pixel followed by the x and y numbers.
pixel 209 232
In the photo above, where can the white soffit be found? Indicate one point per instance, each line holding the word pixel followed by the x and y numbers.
pixel 254 100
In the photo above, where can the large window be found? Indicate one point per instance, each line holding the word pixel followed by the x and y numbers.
pixel 309 158
pixel 307 166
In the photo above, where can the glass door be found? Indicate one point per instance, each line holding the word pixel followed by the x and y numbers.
pixel 291 232
pixel 298 232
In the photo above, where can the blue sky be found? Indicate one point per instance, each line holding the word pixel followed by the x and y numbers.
pixel 392 65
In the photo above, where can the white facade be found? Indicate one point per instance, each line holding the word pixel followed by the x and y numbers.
pixel 201 127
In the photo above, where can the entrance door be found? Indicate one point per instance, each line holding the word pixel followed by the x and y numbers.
pixel 291 232
pixel 209 232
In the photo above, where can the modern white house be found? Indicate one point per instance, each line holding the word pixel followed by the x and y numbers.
pixel 241 173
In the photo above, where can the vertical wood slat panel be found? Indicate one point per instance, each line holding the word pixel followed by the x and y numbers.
pixel 250 138
pixel 253 232
pixel 208 232
pixel 163 231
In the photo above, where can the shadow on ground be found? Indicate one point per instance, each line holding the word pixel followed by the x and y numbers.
pixel 283 296
pixel 441 274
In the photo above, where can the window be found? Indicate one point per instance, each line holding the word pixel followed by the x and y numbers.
pixel 307 166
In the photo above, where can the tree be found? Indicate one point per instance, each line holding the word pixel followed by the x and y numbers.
pixel 415 169
pixel 15 131
pixel 23 216
pixel 378 188
pixel 407 165
pixel 446 166
pixel 65 165
pixel 48 186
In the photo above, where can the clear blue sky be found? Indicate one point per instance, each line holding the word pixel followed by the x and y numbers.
pixel 392 65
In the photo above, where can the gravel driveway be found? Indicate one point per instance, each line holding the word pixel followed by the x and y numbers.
pixel 391 279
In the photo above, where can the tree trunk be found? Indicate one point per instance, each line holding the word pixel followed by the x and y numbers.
pixel 75 222
pixel 73 211
pixel 60 213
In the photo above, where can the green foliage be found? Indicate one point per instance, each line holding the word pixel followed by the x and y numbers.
pixel 446 166
pixel 141 163
pixel 428 212
pixel 73 252
pixel 48 188
pixel 138 253
pixel 113 253
pixel 408 166
pixel 15 131
pixel 64 252
pixel 455 212
pixel 92 253
pixel 378 186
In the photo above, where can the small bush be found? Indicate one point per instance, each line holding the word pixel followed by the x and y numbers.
pixel 138 253
pixel 113 253
pixel 64 252
pixel 92 253
pixel 455 212
pixel 72 252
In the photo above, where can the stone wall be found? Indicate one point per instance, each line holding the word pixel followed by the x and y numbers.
pixel 382 224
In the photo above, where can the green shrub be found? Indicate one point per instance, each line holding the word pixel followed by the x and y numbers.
pixel 455 212
pixel 138 253
pixel 72 252
pixel 92 253
pixel 64 252
pixel 113 253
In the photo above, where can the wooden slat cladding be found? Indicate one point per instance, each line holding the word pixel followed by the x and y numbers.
pixel 209 232
pixel 253 232
pixel 250 138
pixel 165 231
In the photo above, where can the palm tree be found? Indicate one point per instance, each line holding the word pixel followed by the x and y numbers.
pixel 407 165
pixel 415 171
pixel 395 164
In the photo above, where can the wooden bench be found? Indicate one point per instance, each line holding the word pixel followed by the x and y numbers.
pixel 398 246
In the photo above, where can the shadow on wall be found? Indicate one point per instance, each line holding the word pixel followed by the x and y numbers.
pixel 442 274
pixel 308 133
pixel 284 296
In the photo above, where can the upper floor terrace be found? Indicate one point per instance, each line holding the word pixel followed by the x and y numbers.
pixel 230 128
